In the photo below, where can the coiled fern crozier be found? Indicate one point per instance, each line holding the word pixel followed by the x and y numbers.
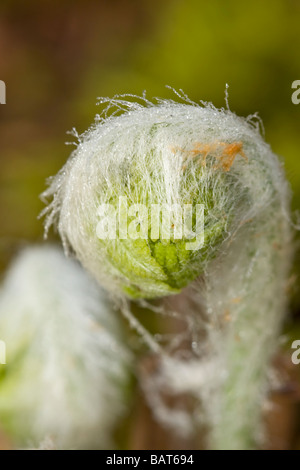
pixel 230 289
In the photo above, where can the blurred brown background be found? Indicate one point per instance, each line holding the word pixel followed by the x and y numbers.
pixel 57 57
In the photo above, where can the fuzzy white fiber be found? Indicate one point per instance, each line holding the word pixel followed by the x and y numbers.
pixel 235 308
pixel 67 367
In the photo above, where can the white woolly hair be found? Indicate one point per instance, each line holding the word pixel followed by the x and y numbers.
pixel 67 367
pixel 140 153
pixel 235 310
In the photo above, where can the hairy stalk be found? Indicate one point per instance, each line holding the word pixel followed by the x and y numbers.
pixel 248 313
pixel 230 288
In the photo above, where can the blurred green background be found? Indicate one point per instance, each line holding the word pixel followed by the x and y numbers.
pixel 57 57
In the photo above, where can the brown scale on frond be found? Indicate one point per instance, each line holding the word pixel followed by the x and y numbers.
pixel 224 152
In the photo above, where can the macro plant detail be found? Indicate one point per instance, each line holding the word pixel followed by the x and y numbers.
pixel 218 309
pixel 67 368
